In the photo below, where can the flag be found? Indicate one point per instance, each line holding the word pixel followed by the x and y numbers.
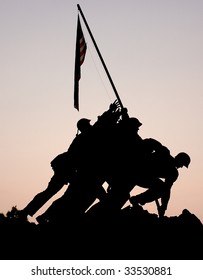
pixel 80 51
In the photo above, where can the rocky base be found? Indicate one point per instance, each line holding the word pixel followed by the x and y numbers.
pixel 133 234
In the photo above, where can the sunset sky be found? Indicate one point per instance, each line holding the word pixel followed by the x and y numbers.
pixel 153 50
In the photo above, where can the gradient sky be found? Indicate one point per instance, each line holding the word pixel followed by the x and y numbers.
pixel 153 50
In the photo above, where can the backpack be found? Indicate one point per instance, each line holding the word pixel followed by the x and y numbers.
pixel 59 161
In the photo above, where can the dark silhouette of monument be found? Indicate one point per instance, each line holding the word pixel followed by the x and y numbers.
pixel 110 151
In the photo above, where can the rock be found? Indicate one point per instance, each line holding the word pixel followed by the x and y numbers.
pixel 131 234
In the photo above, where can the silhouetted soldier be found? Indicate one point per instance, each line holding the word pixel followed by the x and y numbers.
pixel 158 176
pixel 90 151
pixel 66 166
pixel 125 155
pixel 63 172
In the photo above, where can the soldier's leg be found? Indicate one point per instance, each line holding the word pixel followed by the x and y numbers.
pixel 155 191
pixel 113 201
pixel 79 195
pixel 55 184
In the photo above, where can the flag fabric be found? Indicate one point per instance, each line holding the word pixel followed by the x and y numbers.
pixel 80 52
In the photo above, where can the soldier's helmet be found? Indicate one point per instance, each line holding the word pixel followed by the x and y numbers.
pixel 83 124
pixel 183 159
pixel 135 122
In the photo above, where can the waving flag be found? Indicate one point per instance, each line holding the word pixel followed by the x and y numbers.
pixel 80 52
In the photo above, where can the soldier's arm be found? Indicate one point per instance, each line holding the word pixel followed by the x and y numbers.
pixel 169 181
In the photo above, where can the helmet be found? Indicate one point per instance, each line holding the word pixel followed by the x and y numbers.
pixel 183 159
pixel 135 122
pixel 82 124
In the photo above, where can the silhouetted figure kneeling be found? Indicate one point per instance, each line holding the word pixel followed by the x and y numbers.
pixel 158 177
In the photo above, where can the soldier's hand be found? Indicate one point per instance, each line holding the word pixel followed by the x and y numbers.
pixel 115 105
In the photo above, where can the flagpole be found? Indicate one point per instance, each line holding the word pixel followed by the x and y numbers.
pixel 100 56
